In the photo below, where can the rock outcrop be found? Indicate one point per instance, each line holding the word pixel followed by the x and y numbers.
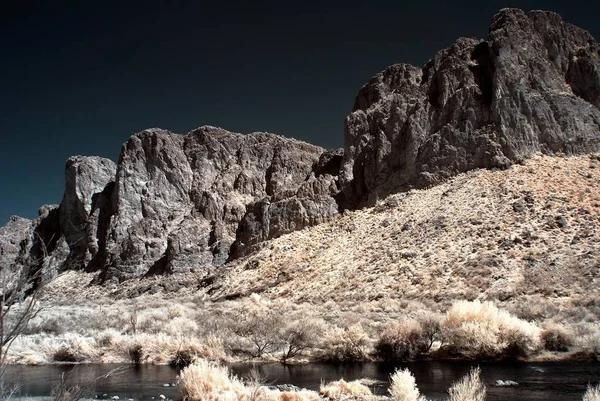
pixel 178 200
pixel 532 86
pixel 85 207
pixel 15 239
pixel 174 203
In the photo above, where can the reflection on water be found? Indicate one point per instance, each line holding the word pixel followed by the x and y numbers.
pixel 540 381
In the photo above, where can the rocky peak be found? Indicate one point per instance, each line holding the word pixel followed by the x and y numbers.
pixel 532 86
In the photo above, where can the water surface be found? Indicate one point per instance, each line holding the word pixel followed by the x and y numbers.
pixel 537 381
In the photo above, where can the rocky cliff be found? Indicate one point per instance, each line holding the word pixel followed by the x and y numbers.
pixel 174 203
pixel 532 86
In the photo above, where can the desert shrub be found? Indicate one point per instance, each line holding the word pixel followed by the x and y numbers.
pixel 50 325
pixel 107 338
pixel 519 338
pixel 431 326
pixel 592 393
pixel 402 341
pixel 404 387
pixel 341 388
pixel 66 354
pixel 590 342
pixel 346 345
pixel 183 358
pixel 555 339
pixel 204 380
pixel 482 330
pixel 469 388
pixel 298 335
pixel 136 353
pixel 257 322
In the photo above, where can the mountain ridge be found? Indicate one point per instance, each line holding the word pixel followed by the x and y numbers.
pixel 175 203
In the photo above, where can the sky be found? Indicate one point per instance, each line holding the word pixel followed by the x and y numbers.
pixel 80 77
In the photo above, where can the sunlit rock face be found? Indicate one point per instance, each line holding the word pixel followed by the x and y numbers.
pixel 85 207
pixel 532 86
pixel 178 200
pixel 176 203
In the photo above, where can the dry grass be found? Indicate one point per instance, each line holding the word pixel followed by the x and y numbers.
pixel 592 393
pixel 404 387
pixel 342 389
pixel 206 381
pixel 483 329
pixel 413 255
pixel 469 388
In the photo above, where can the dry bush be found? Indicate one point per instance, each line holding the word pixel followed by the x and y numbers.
pixel 402 341
pixel 299 334
pixel 339 389
pixel 590 342
pixel 469 388
pixel 431 325
pixel 592 393
pixel 259 324
pixel 66 354
pixel 136 353
pixel 404 387
pixel 480 329
pixel 556 339
pixel 206 381
pixel 346 345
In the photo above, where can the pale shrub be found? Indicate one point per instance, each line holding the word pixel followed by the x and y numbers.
pixel 556 338
pixel 481 328
pixel 469 388
pixel 180 326
pixel 336 390
pixel 206 381
pixel 402 341
pixel 346 344
pixel 592 393
pixel 404 387
pixel 590 342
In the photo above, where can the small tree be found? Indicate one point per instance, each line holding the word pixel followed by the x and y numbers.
pixel 257 322
pixel 20 287
pixel 299 335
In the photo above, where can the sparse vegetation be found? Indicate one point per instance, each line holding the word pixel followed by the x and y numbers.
pixel 592 393
pixel 342 389
pixel 481 330
pixel 346 344
pixel 403 387
pixel 555 339
pixel 449 271
pixel 469 388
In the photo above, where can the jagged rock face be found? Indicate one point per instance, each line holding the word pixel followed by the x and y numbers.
pixel 15 239
pixel 314 202
pixel 84 203
pixel 532 86
pixel 178 200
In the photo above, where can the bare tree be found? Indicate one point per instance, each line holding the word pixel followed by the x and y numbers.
pixel 20 288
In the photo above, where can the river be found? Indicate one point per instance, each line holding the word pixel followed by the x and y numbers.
pixel 537 381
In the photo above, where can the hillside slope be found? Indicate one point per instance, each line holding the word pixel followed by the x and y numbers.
pixel 529 230
pixel 526 239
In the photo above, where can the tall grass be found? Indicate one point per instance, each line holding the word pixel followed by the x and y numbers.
pixel 592 393
pixel 480 329
pixel 469 388
pixel 342 389
pixel 404 387
pixel 206 381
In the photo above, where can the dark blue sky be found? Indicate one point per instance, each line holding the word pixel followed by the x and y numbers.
pixel 81 77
